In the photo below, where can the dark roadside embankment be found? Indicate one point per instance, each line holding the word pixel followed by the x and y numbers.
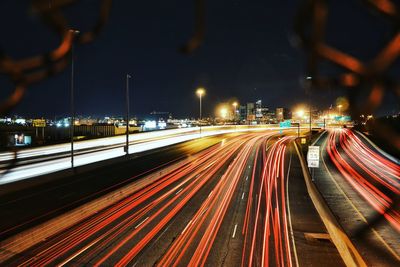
pixel 384 132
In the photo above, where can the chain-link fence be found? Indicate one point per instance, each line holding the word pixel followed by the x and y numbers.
pixel 368 80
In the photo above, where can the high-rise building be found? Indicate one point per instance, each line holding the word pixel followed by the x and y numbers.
pixel 258 110
pixel 242 113
pixel 282 114
pixel 251 116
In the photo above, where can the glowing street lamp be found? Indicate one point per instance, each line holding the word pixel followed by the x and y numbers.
pixel 235 104
pixel 224 113
pixel 72 124
pixel 200 92
pixel 340 107
pixel 300 113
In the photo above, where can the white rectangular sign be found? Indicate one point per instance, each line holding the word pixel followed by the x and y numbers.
pixel 313 156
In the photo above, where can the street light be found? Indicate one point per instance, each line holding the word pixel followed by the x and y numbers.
pixel 72 124
pixel 200 92
pixel 300 113
pixel 308 87
pixel 340 107
pixel 235 104
pixel 224 113
pixel 127 114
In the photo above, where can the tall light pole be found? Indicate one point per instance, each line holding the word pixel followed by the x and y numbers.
pixel 72 123
pixel 310 120
pixel 308 88
pixel 235 104
pixel 200 92
pixel 127 114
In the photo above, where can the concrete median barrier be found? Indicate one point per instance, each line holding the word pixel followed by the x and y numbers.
pixel 26 239
pixel 346 248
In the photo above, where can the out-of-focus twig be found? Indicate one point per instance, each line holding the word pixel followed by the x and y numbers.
pixel 198 37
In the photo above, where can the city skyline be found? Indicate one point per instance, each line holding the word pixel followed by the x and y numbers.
pixel 199 133
pixel 242 63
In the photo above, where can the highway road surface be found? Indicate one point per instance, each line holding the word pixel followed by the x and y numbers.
pixel 362 187
pixel 241 201
pixel 33 162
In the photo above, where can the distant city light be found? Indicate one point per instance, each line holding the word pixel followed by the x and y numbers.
pixel 162 125
pixel 20 121
pixel 300 113
pixel 224 113
pixel 150 124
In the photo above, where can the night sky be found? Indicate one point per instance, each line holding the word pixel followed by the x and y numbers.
pixel 246 55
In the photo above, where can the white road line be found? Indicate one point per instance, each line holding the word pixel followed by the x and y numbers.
pixel 79 252
pixel 243 195
pixel 234 231
pixel 380 238
pixel 179 191
pixel 187 225
pixel 209 165
pixel 247 177
pixel 141 223
pixel 318 138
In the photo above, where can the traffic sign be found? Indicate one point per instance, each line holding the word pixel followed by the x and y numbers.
pixel 285 124
pixel 313 156
pixel 39 123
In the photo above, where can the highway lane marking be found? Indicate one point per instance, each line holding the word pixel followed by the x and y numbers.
pixel 289 215
pixel 316 140
pixel 141 223
pixel 194 220
pixel 179 191
pixel 187 225
pixel 234 231
pixel 243 195
pixel 380 238
pixel 209 165
pixel 79 252
pixel 247 177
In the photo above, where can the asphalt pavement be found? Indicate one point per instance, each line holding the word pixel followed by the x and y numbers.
pixel 237 200
pixel 377 242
